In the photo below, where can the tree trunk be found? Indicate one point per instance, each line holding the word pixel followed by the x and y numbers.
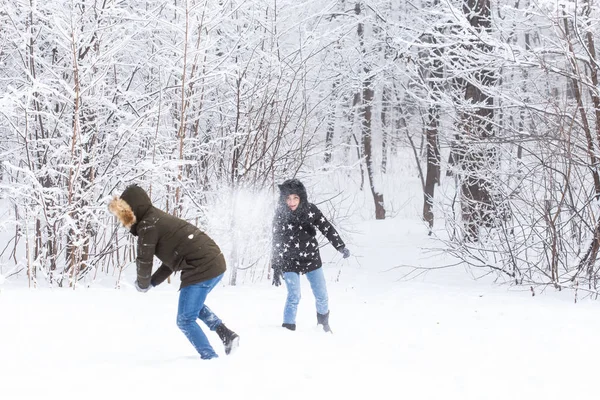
pixel 584 119
pixel 331 124
pixel 366 123
pixel 433 164
pixel 385 112
pixel 367 146
pixel 432 70
pixel 476 200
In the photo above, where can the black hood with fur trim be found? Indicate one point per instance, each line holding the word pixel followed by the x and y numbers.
pixel 293 186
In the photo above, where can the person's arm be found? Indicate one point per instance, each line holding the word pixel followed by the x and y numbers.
pixel 162 273
pixel 318 219
pixel 278 242
pixel 147 239
pixel 277 250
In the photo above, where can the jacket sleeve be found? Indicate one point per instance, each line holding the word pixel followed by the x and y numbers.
pixel 162 273
pixel 147 239
pixel 318 219
pixel 277 244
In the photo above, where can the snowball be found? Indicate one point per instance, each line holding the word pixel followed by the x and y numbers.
pixel 191 237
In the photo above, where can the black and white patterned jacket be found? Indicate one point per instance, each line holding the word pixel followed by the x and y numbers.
pixel 295 246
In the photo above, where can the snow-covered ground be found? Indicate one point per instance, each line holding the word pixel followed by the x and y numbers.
pixel 442 335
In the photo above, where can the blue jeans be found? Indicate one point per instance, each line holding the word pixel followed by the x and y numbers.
pixel 319 289
pixel 191 307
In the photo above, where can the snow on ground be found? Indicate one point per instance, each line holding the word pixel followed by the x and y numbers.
pixel 440 336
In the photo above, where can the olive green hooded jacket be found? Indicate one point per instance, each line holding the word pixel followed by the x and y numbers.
pixel 177 243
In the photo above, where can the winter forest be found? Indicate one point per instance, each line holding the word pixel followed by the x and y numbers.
pixel 439 137
pixel 209 104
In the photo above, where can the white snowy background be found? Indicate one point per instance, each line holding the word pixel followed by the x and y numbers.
pixel 209 104
pixel 441 335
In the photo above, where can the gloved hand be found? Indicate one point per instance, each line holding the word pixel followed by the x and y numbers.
pixel 277 275
pixel 139 289
pixel 345 252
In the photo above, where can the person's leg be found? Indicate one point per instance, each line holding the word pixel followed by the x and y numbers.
pixel 191 301
pixel 319 289
pixel 229 338
pixel 292 282
pixel 209 318
pixel 206 315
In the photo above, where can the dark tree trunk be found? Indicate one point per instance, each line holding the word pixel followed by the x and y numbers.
pixel 476 200
pixel 385 112
pixel 330 125
pixel 432 69
pixel 366 118
pixel 433 165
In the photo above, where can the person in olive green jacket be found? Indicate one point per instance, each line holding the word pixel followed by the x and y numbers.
pixel 181 247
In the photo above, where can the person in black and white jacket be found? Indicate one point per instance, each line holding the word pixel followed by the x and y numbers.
pixel 296 250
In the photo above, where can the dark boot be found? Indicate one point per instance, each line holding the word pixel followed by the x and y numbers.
pixel 323 319
pixel 229 338
pixel 291 327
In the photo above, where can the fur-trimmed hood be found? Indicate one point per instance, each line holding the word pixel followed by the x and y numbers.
pixel 131 206
pixel 120 209
pixel 293 186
